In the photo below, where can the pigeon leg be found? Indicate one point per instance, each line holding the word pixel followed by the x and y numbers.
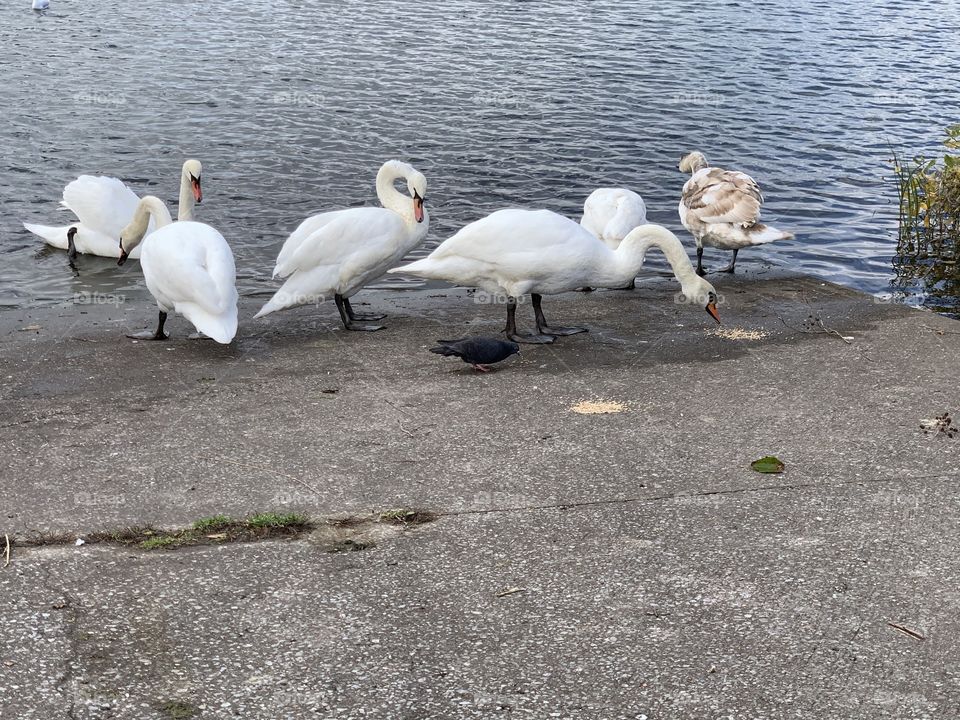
pixel 733 263
pixel 348 322
pixel 542 325
pixel 481 368
pixel 359 316
pixel 700 270
pixel 511 329
pixel 159 334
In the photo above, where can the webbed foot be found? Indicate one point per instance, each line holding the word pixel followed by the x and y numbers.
pixel 531 339
pixel 562 331
pixel 148 335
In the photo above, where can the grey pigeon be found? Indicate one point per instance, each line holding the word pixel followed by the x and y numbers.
pixel 478 351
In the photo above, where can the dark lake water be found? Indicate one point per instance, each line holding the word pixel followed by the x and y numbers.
pixel 292 107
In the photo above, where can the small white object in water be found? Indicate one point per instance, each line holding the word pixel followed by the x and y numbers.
pixel 41 4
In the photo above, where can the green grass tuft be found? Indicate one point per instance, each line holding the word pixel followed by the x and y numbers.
pixel 214 522
pixel 274 520
pixel 159 542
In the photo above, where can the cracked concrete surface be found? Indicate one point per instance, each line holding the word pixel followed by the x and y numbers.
pixel 602 566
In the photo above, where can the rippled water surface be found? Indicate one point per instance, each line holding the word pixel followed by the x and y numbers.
pixel 292 106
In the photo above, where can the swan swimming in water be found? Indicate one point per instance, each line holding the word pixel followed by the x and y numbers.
pixel 721 208
pixel 188 268
pixel 515 252
pixel 103 206
pixel 334 254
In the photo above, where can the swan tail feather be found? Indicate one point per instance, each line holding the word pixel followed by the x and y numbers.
pixel 304 287
pixel 220 327
pixel 426 267
pixel 269 307
pixel 761 234
pixel 282 299
pixel 55 236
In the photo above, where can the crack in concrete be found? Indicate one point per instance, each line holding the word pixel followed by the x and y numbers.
pixel 436 515
pixel 686 494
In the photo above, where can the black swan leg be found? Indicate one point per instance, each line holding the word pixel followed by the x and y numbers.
pixel 158 334
pixel 511 329
pixel 348 321
pixel 544 328
pixel 360 316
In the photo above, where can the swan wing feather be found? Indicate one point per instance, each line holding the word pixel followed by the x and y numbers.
pixel 103 204
pixel 298 236
pixel 716 196
pixel 345 237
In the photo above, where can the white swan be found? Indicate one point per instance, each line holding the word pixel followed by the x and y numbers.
pixel 188 268
pixel 721 208
pixel 514 252
pixel 41 4
pixel 334 254
pixel 103 206
pixel 611 213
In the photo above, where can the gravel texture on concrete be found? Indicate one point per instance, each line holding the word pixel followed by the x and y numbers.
pixel 620 565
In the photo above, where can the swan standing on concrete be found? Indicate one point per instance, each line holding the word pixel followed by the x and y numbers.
pixel 515 252
pixel 610 213
pixel 188 268
pixel 104 206
pixel 334 254
pixel 721 208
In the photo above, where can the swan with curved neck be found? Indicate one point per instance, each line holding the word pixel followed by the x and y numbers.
pixel 149 208
pixel 515 252
pixel 721 209
pixel 104 206
pixel 334 254
pixel 393 199
pixel 188 268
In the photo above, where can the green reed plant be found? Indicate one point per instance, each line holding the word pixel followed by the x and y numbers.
pixel 929 191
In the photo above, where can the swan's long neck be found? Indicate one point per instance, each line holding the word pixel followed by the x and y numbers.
pixel 629 257
pixel 149 206
pixel 389 196
pixel 186 202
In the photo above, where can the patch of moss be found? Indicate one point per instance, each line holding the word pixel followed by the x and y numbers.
pixel 214 522
pixel 178 710
pixel 275 520
pixel 161 541
pixel 406 516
